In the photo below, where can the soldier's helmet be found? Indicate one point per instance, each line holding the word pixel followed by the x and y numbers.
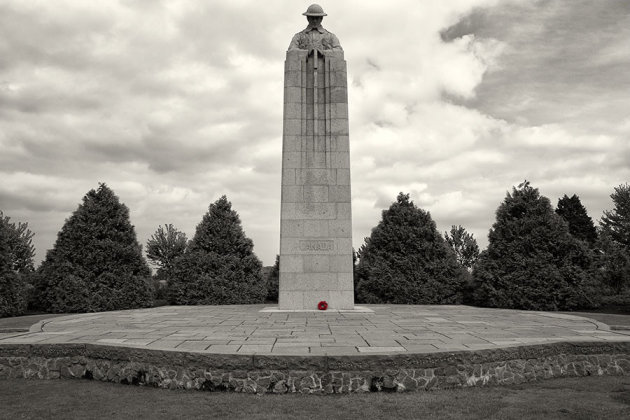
pixel 314 10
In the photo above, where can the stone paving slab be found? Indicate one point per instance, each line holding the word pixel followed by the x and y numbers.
pixel 376 329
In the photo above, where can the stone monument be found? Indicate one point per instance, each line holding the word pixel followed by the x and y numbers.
pixel 316 218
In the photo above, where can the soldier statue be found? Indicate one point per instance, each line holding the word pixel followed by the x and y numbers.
pixel 315 37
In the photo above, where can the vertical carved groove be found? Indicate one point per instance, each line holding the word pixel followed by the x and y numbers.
pixel 315 97
pixel 303 123
pixel 327 111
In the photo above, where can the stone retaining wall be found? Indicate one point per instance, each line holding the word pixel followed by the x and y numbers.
pixel 318 374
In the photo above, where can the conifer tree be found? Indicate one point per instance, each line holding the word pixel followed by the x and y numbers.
pixel 96 263
pixel 580 224
pixel 617 221
pixel 532 261
pixel 219 266
pixel 406 260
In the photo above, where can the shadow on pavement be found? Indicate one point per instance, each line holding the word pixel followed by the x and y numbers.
pixel 23 323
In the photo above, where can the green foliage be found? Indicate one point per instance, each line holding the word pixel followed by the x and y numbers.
pixel 616 222
pixel 580 224
pixel 464 245
pixel 273 281
pixel 14 293
pixel 532 261
pixel 618 302
pixel 613 263
pixel 200 278
pixel 220 232
pixel 355 271
pixel 19 240
pixel 406 260
pixel 219 266
pixel 96 263
pixel 159 290
pixel 16 266
pixel 164 246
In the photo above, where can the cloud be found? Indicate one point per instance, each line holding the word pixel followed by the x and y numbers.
pixel 175 103
pixel 561 62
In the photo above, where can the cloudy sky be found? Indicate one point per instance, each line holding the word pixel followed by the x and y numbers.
pixel 175 103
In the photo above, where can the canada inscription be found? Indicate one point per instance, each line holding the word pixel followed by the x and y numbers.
pixel 317 246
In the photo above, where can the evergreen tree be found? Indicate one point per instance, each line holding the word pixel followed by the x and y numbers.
pixel 616 222
pixel 532 261
pixel 164 246
pixel 406 260
pixel 580 224
pixel 16 266
pixel 96 263
pixel 219 266
pixel 464 245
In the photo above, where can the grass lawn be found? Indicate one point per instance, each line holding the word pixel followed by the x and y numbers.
pixel 568 398
pixel 613 320
pixel 23 323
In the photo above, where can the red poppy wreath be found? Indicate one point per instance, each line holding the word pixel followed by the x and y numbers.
pixel 322 306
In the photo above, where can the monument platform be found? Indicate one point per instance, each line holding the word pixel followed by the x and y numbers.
pixel 243 348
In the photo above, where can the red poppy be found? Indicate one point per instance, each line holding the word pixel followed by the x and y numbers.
pixel 322 306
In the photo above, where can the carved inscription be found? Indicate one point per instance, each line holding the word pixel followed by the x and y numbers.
pixel 320 246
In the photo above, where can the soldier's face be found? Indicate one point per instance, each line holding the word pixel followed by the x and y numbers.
pixel 315 20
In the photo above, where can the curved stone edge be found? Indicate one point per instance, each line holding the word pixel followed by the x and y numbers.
pixel 598 324
pixel 318 374
pixel 38 326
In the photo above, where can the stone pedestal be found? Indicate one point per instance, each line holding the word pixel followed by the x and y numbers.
pixel 316 217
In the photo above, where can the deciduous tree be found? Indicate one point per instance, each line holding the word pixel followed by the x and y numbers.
pixel 464 245
pixel 16 266
pixel 19 239
pixel 613 263
pixel 273 281
pixel 164 246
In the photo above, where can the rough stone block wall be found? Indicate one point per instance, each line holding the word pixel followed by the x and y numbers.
pixel 289 374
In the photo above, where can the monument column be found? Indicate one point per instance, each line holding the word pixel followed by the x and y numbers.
pixel 316 217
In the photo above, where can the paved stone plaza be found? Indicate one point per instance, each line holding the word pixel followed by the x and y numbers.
pixel 389 329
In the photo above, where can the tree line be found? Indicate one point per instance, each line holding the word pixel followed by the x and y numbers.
pixel 537 258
